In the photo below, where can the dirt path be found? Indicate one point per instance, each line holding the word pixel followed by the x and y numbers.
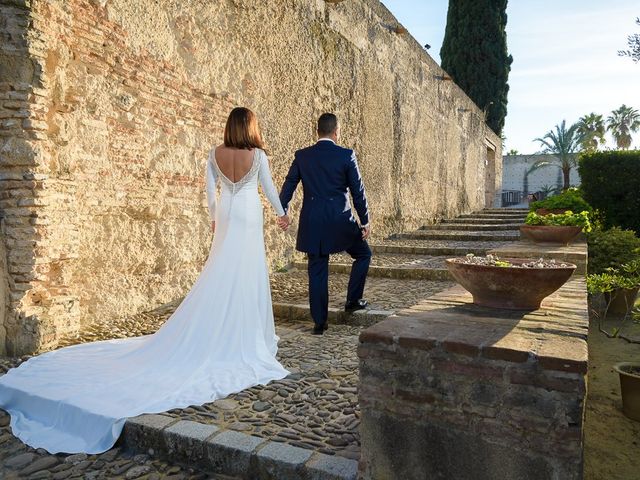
pixel 612 441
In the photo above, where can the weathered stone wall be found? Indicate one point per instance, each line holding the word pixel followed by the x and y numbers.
pixel 515 176
pixel 451 390
pixel 107 123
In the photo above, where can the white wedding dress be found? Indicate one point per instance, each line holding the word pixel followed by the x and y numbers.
pixel 220 340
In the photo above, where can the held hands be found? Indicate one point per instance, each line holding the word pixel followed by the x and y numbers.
pixel 283 222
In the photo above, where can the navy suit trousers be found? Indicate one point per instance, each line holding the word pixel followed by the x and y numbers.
pixel 319 279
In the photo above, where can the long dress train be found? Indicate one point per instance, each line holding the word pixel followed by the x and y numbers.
pixel 220 340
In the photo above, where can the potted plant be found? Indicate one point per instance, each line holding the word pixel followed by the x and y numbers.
pixel 619 287
pixel 555 228
pixel 630 388
pixel 514 284
pixel 570 199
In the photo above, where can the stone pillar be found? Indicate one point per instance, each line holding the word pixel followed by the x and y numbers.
pixel 449 390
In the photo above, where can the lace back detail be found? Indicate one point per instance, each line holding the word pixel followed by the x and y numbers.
pixel 234 187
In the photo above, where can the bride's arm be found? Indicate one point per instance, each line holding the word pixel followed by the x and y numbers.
pixel 266 181
pixel 210 181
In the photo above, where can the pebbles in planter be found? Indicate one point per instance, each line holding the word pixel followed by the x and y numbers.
pixel 494 261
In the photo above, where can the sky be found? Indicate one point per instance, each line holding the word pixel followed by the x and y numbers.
pixel 565 61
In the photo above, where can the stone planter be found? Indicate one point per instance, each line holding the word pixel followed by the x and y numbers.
pixel 622 300
pixel 630 388
pixel 558 234
pixel 549 211
pixel 513 288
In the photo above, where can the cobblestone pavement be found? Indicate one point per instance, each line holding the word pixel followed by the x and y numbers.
pixel 383 293
pixel 316 407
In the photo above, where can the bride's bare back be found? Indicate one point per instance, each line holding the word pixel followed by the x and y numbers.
pixel 234 163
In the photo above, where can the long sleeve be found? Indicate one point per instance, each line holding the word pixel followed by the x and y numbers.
pixel 211 178
pixel 356 187
pixel 269 189
pixel 289 186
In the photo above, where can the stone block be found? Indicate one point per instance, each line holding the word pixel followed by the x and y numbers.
pixel 185 440
pixel 331 467
pixel 281 461
pixel 147 430
pixel 232 453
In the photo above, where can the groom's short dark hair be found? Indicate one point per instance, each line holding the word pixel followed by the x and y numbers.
pixel 327 124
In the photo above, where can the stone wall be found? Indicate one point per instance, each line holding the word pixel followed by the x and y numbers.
pixel 109 108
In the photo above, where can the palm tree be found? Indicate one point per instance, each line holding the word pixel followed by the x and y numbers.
pixel 592 129
pixel 622 123
pixel 564 143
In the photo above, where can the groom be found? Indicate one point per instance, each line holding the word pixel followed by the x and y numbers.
pixel 327 225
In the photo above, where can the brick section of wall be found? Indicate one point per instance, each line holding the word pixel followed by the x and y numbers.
pixel 450 390
pixel 112 107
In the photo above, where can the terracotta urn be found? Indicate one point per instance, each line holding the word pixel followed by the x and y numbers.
pixel 513 287
pixel 559 234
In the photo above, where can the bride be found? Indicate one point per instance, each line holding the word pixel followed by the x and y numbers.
pixel 220 340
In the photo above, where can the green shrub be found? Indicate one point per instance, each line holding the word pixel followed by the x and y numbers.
pixel 570 199
pixel 611 182
pixel 611 249
pixel 567 219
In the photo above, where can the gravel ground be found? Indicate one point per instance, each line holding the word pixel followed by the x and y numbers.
pixel 382 293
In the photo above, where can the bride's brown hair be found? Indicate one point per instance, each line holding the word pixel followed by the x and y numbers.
pixel 242 130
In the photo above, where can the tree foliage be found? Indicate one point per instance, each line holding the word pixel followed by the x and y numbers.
pixel 591 129
pixel 633 42
pixel 622 123
pixel 474 53
pixel 564 143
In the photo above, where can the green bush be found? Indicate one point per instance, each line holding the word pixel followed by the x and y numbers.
pixel 570 199
pixel 566 219
pixel 611 249
pixel 610 181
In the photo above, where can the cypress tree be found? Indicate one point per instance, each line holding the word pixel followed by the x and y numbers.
pixel 474 53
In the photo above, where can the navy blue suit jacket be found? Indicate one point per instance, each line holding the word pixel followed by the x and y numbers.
pixel 328 172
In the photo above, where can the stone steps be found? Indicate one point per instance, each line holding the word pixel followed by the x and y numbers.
pixel 482 227
pixel 481 221
pixel 505 210
pixel 436 251
pixel 497 216
pixel 288 312
pixel 397 266
pixel 501 236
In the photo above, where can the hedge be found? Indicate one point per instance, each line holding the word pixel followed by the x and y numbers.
pixel 610 181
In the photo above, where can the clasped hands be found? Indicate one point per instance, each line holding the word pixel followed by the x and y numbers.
pixel 284 222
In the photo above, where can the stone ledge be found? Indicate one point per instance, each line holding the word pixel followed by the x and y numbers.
pixel 475 393
pixel 289 311
pixel 420 273
pixel 553 337
pixel 229 452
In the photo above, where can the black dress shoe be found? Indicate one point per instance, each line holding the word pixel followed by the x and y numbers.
pixel 357 305
pixel 319 329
